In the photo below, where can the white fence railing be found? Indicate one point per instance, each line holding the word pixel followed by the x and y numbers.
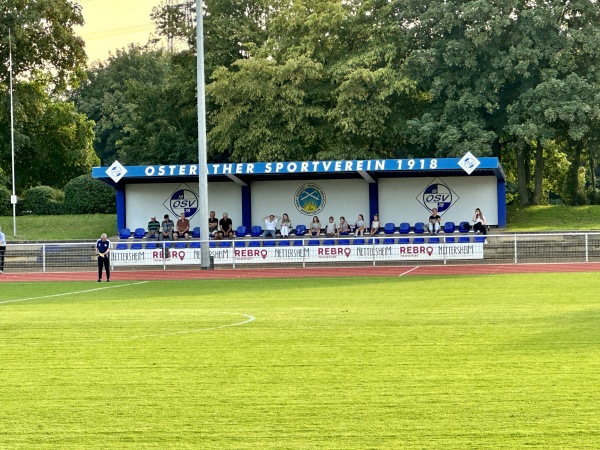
pixel 377 250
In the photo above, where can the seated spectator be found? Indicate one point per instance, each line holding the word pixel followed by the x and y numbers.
pixel 344 228
pixel 225 227
pixel 182 230
pixel 360 226
pixel 166 229
pixel 479 223
pixel 153 228
pixel 213 224
pixel 315 226
pixel 375 224
pixel 286 226
pixel 435 221
pixel 270 226
pixel 330 227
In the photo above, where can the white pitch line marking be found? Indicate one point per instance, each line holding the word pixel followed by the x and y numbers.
pixel 408 271
pixel 72 293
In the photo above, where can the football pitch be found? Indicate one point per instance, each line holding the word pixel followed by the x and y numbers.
pixel 502 361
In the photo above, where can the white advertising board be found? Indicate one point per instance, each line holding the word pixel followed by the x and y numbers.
pixel 300 254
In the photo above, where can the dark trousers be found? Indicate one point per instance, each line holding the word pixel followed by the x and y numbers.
pixel 480 227
pixel 104 262
pixel 2 251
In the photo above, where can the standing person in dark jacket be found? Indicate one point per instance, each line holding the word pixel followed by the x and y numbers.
pixel 2 250
pixel 103 252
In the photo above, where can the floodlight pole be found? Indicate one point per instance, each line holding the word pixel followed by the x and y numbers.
pixel 202 160
pixel 13 198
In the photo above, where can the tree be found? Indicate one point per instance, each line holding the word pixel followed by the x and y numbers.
pixel 106 98
pixel 492 71
pixel 44 41
pixel 53 143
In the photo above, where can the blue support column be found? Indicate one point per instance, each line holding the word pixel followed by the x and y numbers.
pixel 246 207
pixel 121 214
pixel 373 202
pixel 501 203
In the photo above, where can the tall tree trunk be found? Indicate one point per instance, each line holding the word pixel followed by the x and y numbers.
pixel 523 174
pixel 539 173
pixel 574 191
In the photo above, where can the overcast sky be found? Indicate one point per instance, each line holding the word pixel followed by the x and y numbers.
pixel 113 24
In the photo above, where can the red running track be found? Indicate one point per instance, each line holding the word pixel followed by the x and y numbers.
pixel 322 272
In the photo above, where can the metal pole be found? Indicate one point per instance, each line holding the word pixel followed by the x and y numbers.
pixel 13 198
pixel 202 163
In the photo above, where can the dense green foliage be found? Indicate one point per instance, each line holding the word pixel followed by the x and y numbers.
pixel 84 195
pixel 5 205
pixel 323 79
pixel 330 364
pixel 52 141
pixel 42 200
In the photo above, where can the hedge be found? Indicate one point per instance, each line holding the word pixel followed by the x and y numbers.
pixel 84 195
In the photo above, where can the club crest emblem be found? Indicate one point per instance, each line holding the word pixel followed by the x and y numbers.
pixel 309 199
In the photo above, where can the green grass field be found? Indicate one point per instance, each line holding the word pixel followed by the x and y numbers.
pixel 503 361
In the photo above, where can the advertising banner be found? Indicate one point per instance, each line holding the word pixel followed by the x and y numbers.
pixel 301 254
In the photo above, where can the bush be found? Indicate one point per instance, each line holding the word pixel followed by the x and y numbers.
pixel 84 195
pixel 42 201
pixel 5 205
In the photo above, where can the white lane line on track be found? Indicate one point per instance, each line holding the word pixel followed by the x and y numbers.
pixel 72 293
pixel 408 271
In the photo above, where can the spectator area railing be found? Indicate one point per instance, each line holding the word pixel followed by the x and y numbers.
pixel 310 251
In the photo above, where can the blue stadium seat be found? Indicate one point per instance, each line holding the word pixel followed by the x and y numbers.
pixel 284 243
pixel 389 228
pixel 464 240
pixel 139 233
pixel 450 240
pixel 404 241
pixel 136 246
pixel 225 244
pixel 168 244
pixel 241 231
pixel 314 242
pixel 180 244
pixel 389 241
pixel 125 233
pixel 328 242
pixel 212 244
pixel 419 228
pixel 195 244
pixel 344 242
pixel 300 230
pixel 269 243
pixel 151 245
pixel 404 228
pixel 433 240
pixel 239 244
pixel 298 242
pixel 419 240
pixel 256 231
pixel 358 242
pixel 449 227
pixel 121 246
pixel 196 232
pixel 479 239
pixel 254 244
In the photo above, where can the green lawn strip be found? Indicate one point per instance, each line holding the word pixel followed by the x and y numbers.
pixel 504 361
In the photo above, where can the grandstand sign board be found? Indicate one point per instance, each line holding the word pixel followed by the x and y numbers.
pixel 302 254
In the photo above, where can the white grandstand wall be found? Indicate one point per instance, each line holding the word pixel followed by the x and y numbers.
pixel 145 200
pixel 399 200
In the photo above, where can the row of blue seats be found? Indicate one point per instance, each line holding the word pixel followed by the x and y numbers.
pixel 301 242
pixel 300 230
